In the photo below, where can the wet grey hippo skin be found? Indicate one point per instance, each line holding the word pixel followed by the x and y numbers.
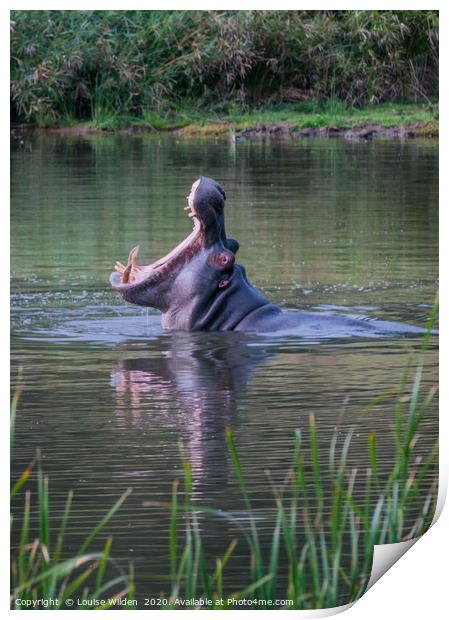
pixel 199 286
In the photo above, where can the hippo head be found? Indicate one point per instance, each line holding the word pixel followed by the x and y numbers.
pixel 183 283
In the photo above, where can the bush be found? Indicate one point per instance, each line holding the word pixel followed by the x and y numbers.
pixel 70 64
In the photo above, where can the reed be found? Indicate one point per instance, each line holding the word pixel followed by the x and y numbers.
pixel 109 65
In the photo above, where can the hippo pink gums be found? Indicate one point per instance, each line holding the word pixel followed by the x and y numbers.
pixel 199 286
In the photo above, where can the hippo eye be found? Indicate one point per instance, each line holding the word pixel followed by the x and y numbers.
pixel 226 258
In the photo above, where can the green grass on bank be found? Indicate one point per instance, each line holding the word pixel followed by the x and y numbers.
pixel 334 114
pixel 331 114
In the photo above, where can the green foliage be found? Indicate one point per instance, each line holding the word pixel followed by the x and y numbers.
pixel 95 64
pixel 325 538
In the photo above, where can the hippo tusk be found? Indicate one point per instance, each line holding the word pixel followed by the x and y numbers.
pixel 126 274
pixel 132 258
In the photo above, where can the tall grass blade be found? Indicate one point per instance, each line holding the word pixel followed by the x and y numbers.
pixel 103 522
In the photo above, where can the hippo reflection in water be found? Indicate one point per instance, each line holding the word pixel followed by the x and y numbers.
pixel 183 389
pixel 199 286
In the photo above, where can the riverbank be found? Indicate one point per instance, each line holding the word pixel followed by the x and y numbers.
pixel 304 119
pixel 96 64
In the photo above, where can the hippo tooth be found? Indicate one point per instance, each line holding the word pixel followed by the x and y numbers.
pixel 126 274
pixel 132 259
pixel 133 255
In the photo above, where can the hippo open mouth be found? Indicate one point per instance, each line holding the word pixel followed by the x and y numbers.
pixel 201 263
pixel 205 206
pixel 133 274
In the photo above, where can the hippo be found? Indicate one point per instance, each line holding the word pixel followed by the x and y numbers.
pixel 199 285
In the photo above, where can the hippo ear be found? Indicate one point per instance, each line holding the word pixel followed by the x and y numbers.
pixel 233 245
pixel 221 190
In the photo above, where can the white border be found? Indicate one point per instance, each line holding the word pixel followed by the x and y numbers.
pixel 416 586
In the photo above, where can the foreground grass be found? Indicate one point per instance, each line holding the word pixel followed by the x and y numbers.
pixel 322 543
pixel 40 568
